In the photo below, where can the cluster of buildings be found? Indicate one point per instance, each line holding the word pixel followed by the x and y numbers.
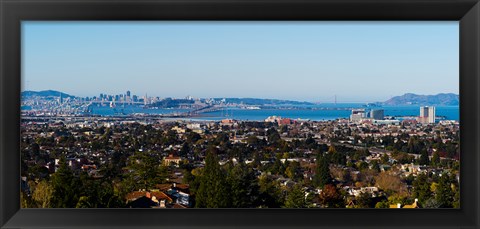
pixel 427 116
pixel 171 195
pixel 363 128
pixel 282 121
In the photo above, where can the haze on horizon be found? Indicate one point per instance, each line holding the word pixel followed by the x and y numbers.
pixel 303 61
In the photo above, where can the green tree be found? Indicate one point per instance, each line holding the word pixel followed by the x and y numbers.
pixel 65 186
pixel 213 190
pixel 338 158
pixel 414 145
pixel 43 194
pixel 145 171
pixel 443 192
pixel 242 186
pixel 435 159
pixel 382 204
pixel 270 194
pixel 322 171
pixel 295 198
pixel 273 136
pixel 421 188
pixel 364 200
pixel 84 202
pixel 424 160
pixel 293 171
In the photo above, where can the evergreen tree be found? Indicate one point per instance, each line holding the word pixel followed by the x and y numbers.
pixel 242 186
pixel 270 195
pixel 421 188
pixel 435 159
pixel 424 160
pixel 364 200
pixel 272 135
pixel 64 186
pixel 443 192
pixel 213 190
pixel 145 171
pixel 295 198
pixel 322 171
pixel 293 171
pixel 414 145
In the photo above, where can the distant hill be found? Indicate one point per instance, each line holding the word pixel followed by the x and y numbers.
pixel 256 101
pixel 48 93
pixel 426 100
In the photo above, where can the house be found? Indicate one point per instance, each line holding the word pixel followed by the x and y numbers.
pixel 414 205
pixel 167 161
pixel 284 121
pixel 179 130
pixel 147 199
pixel 178 193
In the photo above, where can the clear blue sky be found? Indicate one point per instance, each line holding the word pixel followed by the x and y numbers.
pixel 308 61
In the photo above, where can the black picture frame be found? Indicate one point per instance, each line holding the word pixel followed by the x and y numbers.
pixel 12 12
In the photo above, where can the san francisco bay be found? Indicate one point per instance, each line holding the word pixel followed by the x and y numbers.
pixel 314 113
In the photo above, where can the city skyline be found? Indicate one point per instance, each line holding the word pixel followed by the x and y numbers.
pixel 132 95
pixel 278 60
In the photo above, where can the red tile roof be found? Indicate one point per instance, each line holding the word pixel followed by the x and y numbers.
pixel 135 195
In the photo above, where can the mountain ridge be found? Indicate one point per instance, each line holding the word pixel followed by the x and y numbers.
pixel 46 93
pixel 426 100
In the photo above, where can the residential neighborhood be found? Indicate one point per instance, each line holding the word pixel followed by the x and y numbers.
pixel 279 162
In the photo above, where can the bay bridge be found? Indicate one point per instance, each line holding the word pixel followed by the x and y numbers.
pixel 119 110
pixel 205 109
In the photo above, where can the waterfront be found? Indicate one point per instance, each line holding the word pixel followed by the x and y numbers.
pixel 314 113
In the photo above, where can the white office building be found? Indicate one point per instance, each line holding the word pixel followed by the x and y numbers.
pixel 357 115
pixel 427 115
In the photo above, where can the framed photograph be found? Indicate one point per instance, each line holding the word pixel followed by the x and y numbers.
pixel 194 114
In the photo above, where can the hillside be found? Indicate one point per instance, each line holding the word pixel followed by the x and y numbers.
pixel 426 100
pixel 48 93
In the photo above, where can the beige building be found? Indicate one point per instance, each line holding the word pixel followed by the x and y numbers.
pixel 167 161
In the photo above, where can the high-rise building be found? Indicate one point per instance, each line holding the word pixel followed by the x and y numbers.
pixel 357 115
pixel 427 115
pixel 377 114
pixel 128 93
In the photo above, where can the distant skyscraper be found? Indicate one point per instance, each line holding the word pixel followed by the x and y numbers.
pixel 427 115
pixel 357 115
pixel 128 93
pixel 377 114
